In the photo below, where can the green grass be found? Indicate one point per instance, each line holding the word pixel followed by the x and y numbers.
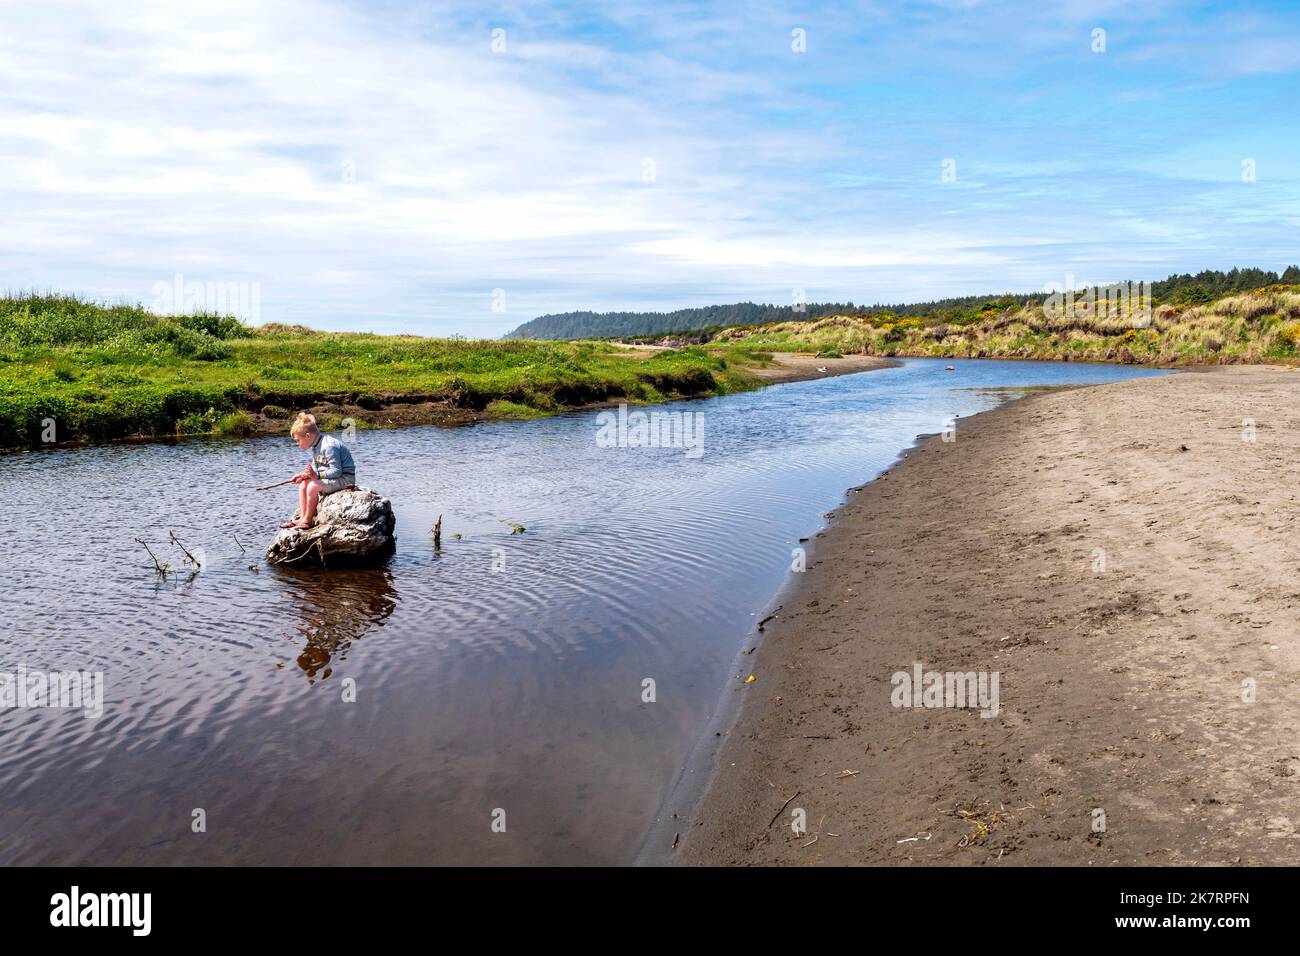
pixel 233 423
pixel 503 408
pixel 104 372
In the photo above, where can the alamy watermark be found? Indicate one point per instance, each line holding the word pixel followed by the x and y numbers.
pixel 75 908
pixel 1120 300
pixel 83 690
pixel 178 297
pixel 624 429
pixel 958 689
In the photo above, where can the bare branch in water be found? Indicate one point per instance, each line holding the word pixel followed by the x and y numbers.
pixel 188 557
pixel 158 567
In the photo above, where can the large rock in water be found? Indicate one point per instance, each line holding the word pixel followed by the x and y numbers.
pixel 351 527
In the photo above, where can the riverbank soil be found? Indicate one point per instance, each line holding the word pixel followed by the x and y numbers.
pixel 396 410
pixel 1126 558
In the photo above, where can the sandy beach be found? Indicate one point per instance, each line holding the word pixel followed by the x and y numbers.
pixel 1124 559
pixel 798 367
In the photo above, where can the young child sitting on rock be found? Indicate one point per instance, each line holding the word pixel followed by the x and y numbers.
pixel 331 469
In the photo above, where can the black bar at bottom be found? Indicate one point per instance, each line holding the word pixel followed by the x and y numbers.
pixel 266 905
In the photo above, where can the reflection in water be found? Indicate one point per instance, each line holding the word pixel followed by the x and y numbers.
pixel 511 670
pixel 336 608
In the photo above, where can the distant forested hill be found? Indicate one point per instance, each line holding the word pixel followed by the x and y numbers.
pixel 1202 287
pixel 601 325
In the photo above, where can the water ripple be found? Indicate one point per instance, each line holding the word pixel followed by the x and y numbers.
pixel 501 670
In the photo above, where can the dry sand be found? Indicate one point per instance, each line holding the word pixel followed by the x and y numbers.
pixel 1121 690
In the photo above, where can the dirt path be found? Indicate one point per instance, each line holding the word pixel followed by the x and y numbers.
pixel 1127 562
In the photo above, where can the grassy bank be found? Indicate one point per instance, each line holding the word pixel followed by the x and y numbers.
pixel 101 372
pixel 1259 326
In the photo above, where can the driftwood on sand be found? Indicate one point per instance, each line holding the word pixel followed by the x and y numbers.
pixel 353 526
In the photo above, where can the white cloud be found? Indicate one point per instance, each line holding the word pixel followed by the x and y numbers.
pixel 218 136
pixel 383 168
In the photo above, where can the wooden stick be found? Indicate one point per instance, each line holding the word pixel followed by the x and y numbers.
pixel 188 557
pixel 161 570
pixel 783 806
pixel 276 485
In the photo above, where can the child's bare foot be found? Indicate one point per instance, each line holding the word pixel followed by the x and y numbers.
pixel 289 524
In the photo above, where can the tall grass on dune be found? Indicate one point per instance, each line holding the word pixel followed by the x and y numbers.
pixel 1259 326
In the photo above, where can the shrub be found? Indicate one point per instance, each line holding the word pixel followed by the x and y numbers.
pixel 1289 334
pixel 214 326
pixel 197 423
pixel 192 344
pixel 1192 294
pixel 234 423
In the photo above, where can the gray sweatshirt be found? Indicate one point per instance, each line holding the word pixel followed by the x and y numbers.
pixel 331 458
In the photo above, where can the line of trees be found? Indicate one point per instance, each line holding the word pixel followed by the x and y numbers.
pixel 1210 285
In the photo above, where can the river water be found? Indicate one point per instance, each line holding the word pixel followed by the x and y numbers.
pixel 483 703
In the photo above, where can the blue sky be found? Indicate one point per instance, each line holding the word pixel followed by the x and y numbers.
pixel 381 166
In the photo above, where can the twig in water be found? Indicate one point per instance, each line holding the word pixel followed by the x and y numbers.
pixel 241 547
pixel 158 567
pixel 188 557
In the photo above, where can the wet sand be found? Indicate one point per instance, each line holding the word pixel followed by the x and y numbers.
pixel 1126 561
pixel 799 367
